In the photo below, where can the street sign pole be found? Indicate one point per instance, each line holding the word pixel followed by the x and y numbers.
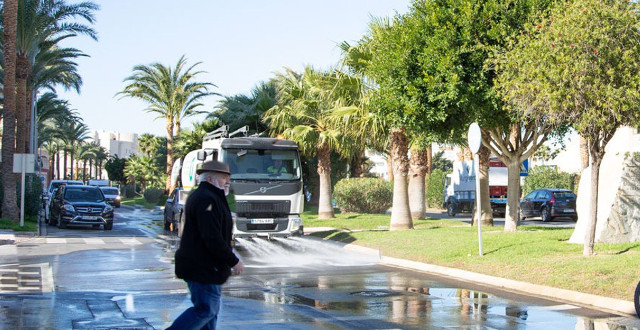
pixel 475 140
pixel 24 163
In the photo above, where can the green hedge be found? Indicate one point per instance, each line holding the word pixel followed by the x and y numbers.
pixel 152 195
pixel 32 194
pixel 363 195
pixel 549 177
pixel 435 188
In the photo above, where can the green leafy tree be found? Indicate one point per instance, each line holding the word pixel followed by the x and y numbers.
pixel 581 65
pixel 115 169
pixel 191 139
pixel 246 110
pixel 171 93
pixel 148 144
pixel 144 170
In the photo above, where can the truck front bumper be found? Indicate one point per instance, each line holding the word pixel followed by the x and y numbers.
pixel 268 227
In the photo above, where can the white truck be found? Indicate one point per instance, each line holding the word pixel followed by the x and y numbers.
pixel 267 203
pixel 460 187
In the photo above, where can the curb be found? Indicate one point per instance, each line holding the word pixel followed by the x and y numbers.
pixel 611 305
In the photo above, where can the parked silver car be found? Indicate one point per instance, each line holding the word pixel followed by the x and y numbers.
pixel 111 195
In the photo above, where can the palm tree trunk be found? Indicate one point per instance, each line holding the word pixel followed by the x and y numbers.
pixel 10 19
pixel 400 214
pixel 22 71
pixel 356 164
pixel 29 105
pixel 64 167
pixel 84 170
pixel 51 165
pixel 390 167
pixel 90 168
pixel 168 186
pixel 417 176
pixel 325 206
pixel 72 153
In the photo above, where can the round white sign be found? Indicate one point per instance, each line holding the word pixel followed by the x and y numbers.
pixel 474 138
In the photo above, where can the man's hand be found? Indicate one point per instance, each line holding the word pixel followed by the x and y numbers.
pixel 238 268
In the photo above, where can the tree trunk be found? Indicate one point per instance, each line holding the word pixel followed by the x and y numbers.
pixel 57 163
pixel 590 234
pixel 584 153
pixel 29 105
pixel 90 168
pixel 400 214
pixel 168 186
pixel 513 195
pixel 356 164
pixel 325 206
pixel 22 70
pixel 417 174
pixel 51 166
pixel 84 171
pixel 10 19
pixel 485 199
pixel 64 167
pixel 72 154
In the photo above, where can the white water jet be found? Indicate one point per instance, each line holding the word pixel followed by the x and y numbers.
pixel 300 252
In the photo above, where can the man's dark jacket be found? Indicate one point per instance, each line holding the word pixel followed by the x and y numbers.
pixel 205 254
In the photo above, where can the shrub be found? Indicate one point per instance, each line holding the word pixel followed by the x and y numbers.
pixel 363 195
pixel 548 177
pixel 435 188
pixel 152 195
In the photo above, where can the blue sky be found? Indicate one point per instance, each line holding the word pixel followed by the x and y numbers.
pixel 239 43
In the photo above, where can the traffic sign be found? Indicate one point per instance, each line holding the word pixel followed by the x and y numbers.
pixel 524 168
pixel 474 137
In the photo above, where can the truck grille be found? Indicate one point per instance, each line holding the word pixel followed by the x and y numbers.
pixel 267 209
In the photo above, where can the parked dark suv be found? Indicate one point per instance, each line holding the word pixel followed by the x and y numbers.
pixel 81 205
pixel 548 204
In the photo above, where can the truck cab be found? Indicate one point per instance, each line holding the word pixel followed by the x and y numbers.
pixel 266 182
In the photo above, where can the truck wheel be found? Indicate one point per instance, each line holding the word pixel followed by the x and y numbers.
pixel 451 210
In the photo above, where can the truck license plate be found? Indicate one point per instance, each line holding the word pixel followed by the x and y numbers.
pixel 261 221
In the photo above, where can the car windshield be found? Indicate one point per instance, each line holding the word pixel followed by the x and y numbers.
pixel 110 191
pixel 271 165
pixel 55 185
pixel 83 195
pixel 564 195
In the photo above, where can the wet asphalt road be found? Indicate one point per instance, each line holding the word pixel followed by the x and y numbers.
pixel 84 278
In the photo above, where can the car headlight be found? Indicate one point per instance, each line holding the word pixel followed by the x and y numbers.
pixel 69 207
pixel 118 198
pixel 108 209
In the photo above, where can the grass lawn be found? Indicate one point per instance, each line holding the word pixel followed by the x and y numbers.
pixel 30 224
pixel 139 200
pixel 534 254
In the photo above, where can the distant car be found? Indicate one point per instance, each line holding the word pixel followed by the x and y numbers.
pixel 549 204
pixel 173 208
pixel 80 205
pixel 53 186
pixel 111 195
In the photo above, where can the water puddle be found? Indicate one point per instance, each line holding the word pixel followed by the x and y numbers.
pixel 299 252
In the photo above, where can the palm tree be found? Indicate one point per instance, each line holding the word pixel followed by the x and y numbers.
pixel 9 22
pixel 304 114
pixel 143 169
pixel 171 94
pixel 41 25
pixel 189 140
pixel 101 155
pixel 85 152
pixel 148 144
pixel 246 110
pixel 72 134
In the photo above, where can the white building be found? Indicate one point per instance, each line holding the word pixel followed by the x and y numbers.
pixel 118 144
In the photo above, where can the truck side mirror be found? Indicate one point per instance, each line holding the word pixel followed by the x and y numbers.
pixel 202 155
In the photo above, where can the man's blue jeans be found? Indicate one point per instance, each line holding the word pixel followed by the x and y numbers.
pixel 206 305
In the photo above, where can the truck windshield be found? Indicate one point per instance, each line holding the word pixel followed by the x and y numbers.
pixel 252 164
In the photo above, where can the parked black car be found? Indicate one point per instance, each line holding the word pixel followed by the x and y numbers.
pixel 549 204
pixel 82 205
pixel 173 208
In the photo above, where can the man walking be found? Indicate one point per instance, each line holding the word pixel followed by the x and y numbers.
pixel 205 259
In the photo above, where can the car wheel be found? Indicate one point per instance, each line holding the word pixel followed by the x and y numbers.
pixel 167 225
pixel 545 214
pixel 451 210
pixel 108 226
pixel 522 217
